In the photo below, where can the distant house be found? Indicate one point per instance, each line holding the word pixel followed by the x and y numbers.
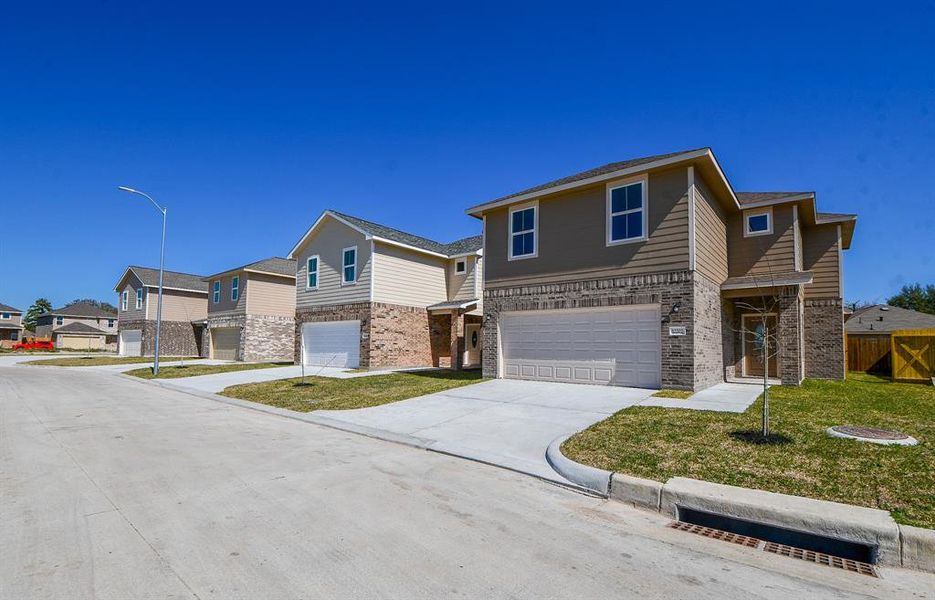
pixel 11 325
pixel 251 312
pixel 184 310
pixel 869 331
pixel 79 326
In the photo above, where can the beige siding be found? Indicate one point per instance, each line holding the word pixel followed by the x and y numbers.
pixel 178 306
pixel 710 233
pixel 572 236
pixel 79 342
pixel 408 278
pixel 132 313
pixel 821 257
pixel 15 319
pixel 797 239
pixel 225 303
pixel 762 254
pixel 328 243
pixel 270 295
pixel 461 286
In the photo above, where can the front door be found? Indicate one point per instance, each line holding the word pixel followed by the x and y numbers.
pixel 472 344
pixel 759 335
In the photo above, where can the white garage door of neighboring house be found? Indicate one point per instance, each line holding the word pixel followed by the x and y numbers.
pixel 609 346
pixel 131 342
pixel 225 343
pixel 332 344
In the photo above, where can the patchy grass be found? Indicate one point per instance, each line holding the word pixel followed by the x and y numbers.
pixel 324 393
pixel 800 459
pixel 677 394
pixel 96 361
pixel 197 369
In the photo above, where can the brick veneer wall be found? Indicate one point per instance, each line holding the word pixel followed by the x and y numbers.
pixel 357 311
pixel 177 338
pixel 678 364
pixel 268 338
pixel 824 338
pixel 400 336
pixel 440 338
pixel 708 339
pixel 790 344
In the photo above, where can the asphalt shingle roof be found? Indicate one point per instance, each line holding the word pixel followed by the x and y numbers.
pixel 171 279
pixel 275 264
pixel 79 328
pixel 874 319
pixel 81 309
pixel 757 197
pixel 8 308
pixel 462 246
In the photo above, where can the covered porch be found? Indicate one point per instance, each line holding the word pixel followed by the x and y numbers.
pixel 456 334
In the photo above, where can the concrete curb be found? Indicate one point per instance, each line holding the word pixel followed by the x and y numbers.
pixel 917 548
pixel 596 480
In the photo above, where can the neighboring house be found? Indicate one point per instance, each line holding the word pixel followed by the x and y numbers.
pixel 251 312
pixel 11 325
pixel 372 296
pixel 869 332
pixel 79 326
pixel 639 273
pixel 184 310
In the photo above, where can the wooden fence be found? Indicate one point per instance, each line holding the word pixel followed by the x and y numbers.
pixel 913 354
pixel 869 353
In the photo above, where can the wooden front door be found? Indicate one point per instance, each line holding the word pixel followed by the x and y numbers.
pixel 755 332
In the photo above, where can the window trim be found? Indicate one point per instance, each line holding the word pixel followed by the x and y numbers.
pixel 139 298
pixel 461 266
pixel 609 214
pixel 6 316
pixel 235 288
pixel 111 323
pixel 125 300
pixel 308 272
pixel 535 230
pixel 59 320
pixel 216 291
pixel 344 280
pixel 768 211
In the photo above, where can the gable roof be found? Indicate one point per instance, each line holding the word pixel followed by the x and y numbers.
pixel 81 309
pixel 390 235
pixel 171 280
pixel 77 327
pixel 9 309
pixel 272 266
pixel 881 318
pixel 748 198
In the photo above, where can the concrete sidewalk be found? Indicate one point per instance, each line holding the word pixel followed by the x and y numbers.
pixel 723 397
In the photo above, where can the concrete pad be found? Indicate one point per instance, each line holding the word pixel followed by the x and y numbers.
pixel 918 548
pixel 723 397
pixel 868 526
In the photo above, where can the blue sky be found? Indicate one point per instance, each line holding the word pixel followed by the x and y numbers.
pixel 265 114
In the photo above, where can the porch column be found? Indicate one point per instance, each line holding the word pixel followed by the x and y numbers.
pixel 791 330
pixel 457 339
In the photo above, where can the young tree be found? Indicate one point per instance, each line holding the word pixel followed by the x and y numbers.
pixel 41 305
pixel 915 297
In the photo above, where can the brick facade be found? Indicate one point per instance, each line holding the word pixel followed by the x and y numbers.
pixel 268 338
pixel 176 338
pixel 790 332
pixel 357 311
pixel 824 338
pixel 223 322
pixel 708 341
pixel 400 336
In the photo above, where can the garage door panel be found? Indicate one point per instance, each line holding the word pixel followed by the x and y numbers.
pixel 131 342
pixel 617 346
pixel 332 343
pixel 225 343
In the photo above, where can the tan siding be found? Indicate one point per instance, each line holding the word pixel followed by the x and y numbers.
pixel 179 306
pixel 461 285
pixel 408 278
pixel 820 256
pixel 226 305
pixel 762 254
pixel 710 233
pixel 479 286
pixel 269 295
pixel 14 319
pixel 797 239
pixel 572 236
pixel 328 242
pixel 132 313
pixel 79 342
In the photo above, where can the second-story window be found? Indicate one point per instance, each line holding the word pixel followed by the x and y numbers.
pixel 758 222
pixel 139 297
pixel 216 296
pixel 110 322
pixel 626 213
pixel 312 268
pixel 59 320
pixel 235 288
pixel 349 273
pixel 6 316
pixel 523 243
pixel 124 300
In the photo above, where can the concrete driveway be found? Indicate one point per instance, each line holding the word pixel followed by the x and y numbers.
pixel 504 422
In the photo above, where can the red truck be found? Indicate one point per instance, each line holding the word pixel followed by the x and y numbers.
pixel 34 345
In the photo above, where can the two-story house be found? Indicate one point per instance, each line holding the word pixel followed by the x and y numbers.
pixel 251 312
pixel 184 310
pixel 372 296
pixel 11 325
pixel 79 326
pixel 654 272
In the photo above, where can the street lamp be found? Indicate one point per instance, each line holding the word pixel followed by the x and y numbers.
pixel 162 258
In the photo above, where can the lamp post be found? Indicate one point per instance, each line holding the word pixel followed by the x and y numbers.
pixel 162 258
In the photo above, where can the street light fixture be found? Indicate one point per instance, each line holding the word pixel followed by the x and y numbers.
pixel 162 257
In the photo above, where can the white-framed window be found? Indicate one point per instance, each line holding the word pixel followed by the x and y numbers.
pixel 461 266
pixel 216 295
pixel 311 277
pixel 14 336
pixel 758 222
pixel 6 316
pixel 349 265
pixel 110 322
pixel 235 288
pixel 524 224
pixel 124 300
pixel 139 297
pixel 59 320
pixel 627 210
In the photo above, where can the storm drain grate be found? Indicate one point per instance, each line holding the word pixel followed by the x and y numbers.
pixel 717 534
pixel 821 558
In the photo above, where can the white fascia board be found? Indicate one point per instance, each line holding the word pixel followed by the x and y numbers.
pixel 175 289
pixel 406 246
pixel 783 200
pixel 327 213
pixel 266 273
pixel 122 277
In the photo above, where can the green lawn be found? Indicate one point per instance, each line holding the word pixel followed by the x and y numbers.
pixel 324 393
pixel 92 361
pixel 659 443
pixel 677 394
pixel 199 369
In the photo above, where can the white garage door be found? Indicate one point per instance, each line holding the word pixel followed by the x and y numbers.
pixel 610 346
pixel 225 343
pixel 332 344
pixel 131 342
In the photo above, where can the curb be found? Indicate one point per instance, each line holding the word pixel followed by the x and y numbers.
pixel 596 480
